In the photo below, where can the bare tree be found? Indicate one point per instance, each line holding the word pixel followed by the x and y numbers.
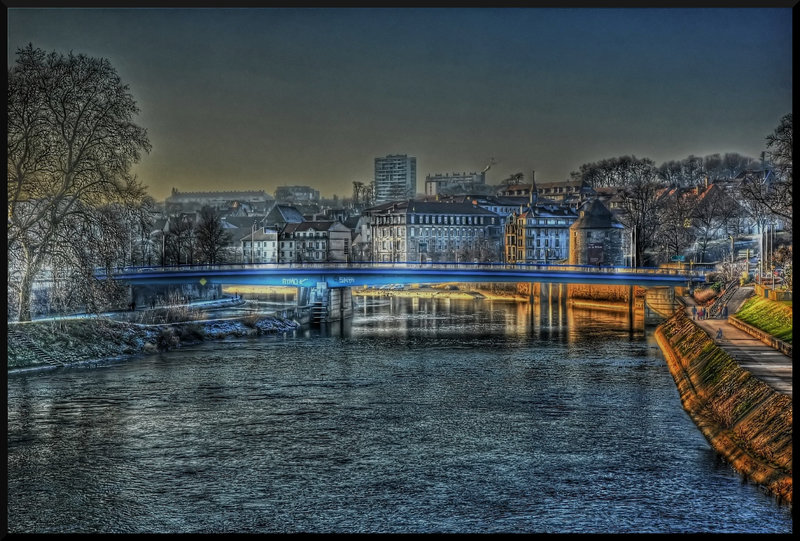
pixel 211 237
pixel 780 146
pixel 71 144
pixel 180 240
pixel 640 204
pixel 712 165
pixel 639 185
pixel 708 216
pixel 774 191
pixel 734 164
pixel 674 229
pixel 783 257
pixel 671 173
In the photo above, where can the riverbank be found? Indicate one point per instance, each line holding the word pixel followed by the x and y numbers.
pixel 743 418
pixel 49 344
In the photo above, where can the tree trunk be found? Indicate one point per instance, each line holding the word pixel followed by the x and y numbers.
pixel 25 295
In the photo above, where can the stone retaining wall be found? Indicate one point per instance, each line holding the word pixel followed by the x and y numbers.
pixel 743 418
pixel 768 339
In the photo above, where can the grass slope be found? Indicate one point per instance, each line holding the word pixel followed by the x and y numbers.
pixel 771 317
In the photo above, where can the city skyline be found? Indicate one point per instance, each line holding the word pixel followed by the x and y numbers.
pixel 246 99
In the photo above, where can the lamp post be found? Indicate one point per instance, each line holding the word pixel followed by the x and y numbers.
pixel 771 248
pixel 252 240
pixel 630 247
pixel 277 244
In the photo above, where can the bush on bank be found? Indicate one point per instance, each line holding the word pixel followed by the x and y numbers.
pixel 82 340
pixel 770 316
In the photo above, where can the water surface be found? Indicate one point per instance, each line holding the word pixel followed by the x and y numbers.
pixel 419 415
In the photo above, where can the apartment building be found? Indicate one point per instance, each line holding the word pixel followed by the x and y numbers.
pixel 422 231
pixel 395 178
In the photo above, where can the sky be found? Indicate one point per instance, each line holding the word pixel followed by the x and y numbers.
pixel 252 99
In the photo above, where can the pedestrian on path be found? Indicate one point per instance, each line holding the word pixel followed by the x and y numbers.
pixel 694 312
pixel 725 312
pixel 719 333
pixel 700 313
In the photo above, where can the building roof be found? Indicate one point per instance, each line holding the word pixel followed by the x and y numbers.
pixel 561 184
pixel 320 225
pixel 413 206
pixel 595 215
pixel 439 207
pixel 284 214
pixel 239 221
pixel 352 221
pixel 261 234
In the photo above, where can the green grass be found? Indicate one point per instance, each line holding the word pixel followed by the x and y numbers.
pixel 771 317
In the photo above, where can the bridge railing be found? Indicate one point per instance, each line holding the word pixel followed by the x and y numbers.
pixel 415 265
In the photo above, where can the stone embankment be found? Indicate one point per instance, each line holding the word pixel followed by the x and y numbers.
pixel 47 344
pixel 743 418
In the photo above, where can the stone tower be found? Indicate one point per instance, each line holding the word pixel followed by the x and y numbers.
pixel 596 237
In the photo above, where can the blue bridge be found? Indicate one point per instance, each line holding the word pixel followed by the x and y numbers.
pixel 339 275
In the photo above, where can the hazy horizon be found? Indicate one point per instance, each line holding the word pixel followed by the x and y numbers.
pixel 250 99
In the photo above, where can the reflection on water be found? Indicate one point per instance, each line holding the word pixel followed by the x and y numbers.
pixel 418 415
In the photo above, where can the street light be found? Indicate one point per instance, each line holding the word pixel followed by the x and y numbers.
pixel 732 258
pixel 252 240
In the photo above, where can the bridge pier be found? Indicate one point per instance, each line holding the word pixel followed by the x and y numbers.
pixel 330 303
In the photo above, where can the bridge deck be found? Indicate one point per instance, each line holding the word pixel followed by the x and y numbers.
pixel 369 274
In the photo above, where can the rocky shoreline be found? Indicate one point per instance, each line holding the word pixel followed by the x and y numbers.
pixel 50 344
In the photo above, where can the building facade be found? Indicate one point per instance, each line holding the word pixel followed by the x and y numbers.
pixel 539 234
pixel 317 241
pixel 395 178
pixel 260 246
pixel 427 231
pixel 435 183
pixel 189 201
pixel 295 194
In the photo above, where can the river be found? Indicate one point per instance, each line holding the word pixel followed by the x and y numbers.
pixel 419 415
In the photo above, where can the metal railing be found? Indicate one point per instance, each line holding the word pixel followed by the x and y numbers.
pixel 412 265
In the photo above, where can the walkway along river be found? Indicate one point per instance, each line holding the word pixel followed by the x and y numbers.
pixel 419 415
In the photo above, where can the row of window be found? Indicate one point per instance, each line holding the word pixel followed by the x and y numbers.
pixel 423 244
pixel 435 220
pixel 432 232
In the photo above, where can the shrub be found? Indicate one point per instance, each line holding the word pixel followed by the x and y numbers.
pixel 701 296
pixel 167 339
pixel 191 333
pixel 251 321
